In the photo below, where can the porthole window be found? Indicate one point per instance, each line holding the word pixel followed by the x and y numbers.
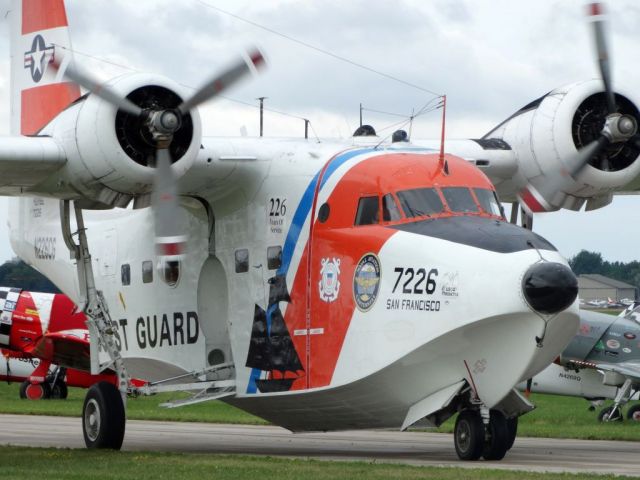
pixel 170 272
pixel 147 271
pixel 274 258
pixel 242 260
pixel 125 274
pixel 323 213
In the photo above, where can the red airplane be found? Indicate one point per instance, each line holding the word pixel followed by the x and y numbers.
pixel 45 344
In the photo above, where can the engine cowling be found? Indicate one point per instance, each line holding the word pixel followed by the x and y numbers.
pixel 546 135
pixel 110 157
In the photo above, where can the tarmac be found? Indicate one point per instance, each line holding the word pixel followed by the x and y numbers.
pixel 412 448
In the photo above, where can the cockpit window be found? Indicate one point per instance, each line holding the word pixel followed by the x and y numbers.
pixel 488 201
pixel 390 211
pixel 459 199
pixel 368 211
pixel 420 201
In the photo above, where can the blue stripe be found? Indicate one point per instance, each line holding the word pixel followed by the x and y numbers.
pixel 305 204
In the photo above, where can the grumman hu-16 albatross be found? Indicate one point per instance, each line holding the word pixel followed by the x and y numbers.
pixel 601 362
pixel 321 286
pixel 45 344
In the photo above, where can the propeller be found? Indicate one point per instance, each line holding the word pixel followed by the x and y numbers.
pixel 162 125
pixel 618 129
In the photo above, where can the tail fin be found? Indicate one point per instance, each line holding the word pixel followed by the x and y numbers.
pixel 39 34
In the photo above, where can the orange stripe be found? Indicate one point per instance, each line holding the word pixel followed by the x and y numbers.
pixel 41 104
pixel 42 15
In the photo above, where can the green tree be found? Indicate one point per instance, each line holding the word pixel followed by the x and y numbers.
pixel 15 273
pixel 587 262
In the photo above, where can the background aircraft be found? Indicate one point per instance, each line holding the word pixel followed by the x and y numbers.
pixel 44 344
pixel 601 362
pixel 278 251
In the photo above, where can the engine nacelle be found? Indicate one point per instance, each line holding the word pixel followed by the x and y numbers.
pixel 547 134
pixel 110 156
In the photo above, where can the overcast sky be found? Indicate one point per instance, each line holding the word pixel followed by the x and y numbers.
pixel 489 56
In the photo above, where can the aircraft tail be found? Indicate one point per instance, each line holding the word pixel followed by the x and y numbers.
pixel 39 35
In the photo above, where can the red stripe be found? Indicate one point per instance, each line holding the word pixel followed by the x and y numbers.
pixel 595 9
pixel 42 15
pixel 531 201
pixel 41 104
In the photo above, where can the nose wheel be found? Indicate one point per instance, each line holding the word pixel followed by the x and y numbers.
pixel 473 439
pixel 103 417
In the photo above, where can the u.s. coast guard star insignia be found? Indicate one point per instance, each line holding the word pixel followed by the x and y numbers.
pixel 329 282
pixel 38 57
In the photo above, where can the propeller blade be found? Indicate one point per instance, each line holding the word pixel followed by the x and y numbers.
pixel 527 390
pixel 221 82
pixel 596 12
pixel 83 79
pixel 585 154
pixel 168 216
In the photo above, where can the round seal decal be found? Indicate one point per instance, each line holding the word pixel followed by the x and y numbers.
pixel 366 282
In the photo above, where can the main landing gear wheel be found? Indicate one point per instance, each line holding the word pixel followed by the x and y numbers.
pixel 605 415
pixel 497 441
pixel 512 428
pixel 468 435
pixel 35 391
pixel 103 417
pixel 633 413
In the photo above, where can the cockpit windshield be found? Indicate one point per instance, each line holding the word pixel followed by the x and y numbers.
pixel 488 201
pixel 427 202
pixel 420 202
pixel 460 200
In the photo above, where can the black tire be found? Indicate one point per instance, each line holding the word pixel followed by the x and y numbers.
pixel 59 390
pixel 23 389
pixel 36 391
pixel 633 413
pixel 497 442
pixel 103 417
pixel 468 436
pixel 616 417
pixel 512 428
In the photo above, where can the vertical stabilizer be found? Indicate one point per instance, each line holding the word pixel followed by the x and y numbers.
pixel 39 35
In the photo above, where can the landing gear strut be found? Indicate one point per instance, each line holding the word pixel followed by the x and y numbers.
pixel 473 439
pixel 103 413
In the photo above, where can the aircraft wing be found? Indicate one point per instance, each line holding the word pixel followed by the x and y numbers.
pixel 27 161
pixel 67 348
pixel 627 369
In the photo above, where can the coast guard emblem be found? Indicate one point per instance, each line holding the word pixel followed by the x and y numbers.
pixel 366 282
pixel 329 283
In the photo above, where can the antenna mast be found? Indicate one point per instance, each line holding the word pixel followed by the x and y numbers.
pixel 442 163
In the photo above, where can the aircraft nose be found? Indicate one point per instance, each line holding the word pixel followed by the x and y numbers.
pixel 549 287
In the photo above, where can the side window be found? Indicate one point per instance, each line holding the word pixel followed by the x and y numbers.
pixel 242 260
pixel 125 274
pixel 368 211
pixel 274 257
pixel 390 209
pixel 147 271
pixel 170 272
